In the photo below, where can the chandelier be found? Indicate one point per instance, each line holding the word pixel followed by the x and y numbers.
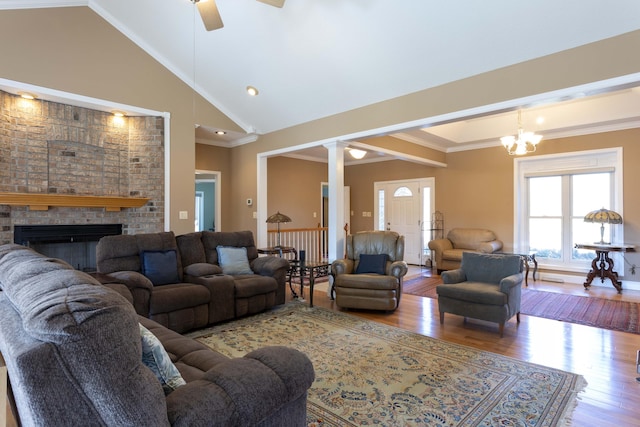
pixel 523 143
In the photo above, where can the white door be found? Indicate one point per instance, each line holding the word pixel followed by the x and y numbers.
pixel 400 209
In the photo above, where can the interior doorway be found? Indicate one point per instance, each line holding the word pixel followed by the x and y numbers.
pixel 406 206
pixel 208 201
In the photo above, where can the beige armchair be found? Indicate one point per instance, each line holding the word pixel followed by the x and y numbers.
pixel 370 276
pixel 448 252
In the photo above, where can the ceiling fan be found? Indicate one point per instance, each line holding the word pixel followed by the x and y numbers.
pixel 211 17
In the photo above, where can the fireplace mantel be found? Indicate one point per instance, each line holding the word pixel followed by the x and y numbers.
pixel 42 202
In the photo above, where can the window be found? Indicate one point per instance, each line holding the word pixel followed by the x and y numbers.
pixel 554 193
pixel 557 206
pixel 402 192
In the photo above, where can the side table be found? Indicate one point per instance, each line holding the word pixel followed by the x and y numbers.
pixel 313 269
pixel 602 265
pixel 526 259
pixel 278 250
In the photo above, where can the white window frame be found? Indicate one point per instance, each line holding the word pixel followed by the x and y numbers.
pixel 573 162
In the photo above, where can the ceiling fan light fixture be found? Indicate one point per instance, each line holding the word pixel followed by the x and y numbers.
pixel 252 91
pixel 276 3
pixel 209 14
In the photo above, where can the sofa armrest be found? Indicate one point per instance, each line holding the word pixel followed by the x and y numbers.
pixel 398 269
pixel 342 266
pixel 269 265
pixel 201 269
pixel 509 282
pixel 454 276
pixel 438 246
pixel 140 288
pixel 243 391
pixel 490 247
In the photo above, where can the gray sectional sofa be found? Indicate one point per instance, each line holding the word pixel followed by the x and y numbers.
pixel 180 282
pixel 74 355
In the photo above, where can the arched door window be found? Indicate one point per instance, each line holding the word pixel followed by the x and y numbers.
pixel 403 192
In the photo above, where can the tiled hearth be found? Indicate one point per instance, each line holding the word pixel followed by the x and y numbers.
pixel 52 148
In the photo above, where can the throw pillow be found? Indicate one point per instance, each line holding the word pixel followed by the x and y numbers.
pixel 233 260
pixel 372 264
pixel 155 357
pixel 161 267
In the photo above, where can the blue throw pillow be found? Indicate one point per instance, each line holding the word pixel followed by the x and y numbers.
pixel 155 357
pixel 372 264
pixel 233 260
pixel 161 267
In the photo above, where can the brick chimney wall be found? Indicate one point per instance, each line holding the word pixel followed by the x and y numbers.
pixel 52 148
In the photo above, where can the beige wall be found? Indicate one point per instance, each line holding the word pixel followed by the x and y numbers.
pixel 72 49
pixel 295 190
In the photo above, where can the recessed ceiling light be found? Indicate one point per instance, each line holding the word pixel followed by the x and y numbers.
pixel 540 120
pixel 220 132
pixel 27 95
pixel 252 91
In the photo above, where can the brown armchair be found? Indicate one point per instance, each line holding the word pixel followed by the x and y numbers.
pixel 370 276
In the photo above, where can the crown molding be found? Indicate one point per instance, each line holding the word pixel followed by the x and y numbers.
pixel 39 4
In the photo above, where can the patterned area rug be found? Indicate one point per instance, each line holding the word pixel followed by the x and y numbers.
pixel 372 374
pixel 599 312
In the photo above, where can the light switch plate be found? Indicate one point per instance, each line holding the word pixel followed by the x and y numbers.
pixel 184 215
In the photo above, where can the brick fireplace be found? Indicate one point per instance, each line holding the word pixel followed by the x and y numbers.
pixel 48 148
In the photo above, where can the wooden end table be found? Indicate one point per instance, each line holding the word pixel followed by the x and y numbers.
pixel 526 259
pixel 602 265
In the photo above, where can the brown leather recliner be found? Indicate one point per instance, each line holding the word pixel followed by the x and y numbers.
pixel 370 277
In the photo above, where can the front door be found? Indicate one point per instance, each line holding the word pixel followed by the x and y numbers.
pixel 400 209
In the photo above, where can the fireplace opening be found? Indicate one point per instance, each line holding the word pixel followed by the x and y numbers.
pixel 75 244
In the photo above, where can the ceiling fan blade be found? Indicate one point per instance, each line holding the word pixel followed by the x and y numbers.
pixel 276 3
pixel 210 15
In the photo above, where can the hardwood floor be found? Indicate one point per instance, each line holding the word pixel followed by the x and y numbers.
pixel 606 359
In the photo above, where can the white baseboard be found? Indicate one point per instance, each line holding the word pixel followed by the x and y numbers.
pixel 579 280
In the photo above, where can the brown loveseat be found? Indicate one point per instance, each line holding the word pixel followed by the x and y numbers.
pixel 448 251
pixel 179 283
pixel 76 356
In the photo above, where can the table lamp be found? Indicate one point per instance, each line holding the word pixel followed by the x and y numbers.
pixel 603 216
pixel 278 218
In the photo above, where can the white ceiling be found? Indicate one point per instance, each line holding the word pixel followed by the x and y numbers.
pixel 315 58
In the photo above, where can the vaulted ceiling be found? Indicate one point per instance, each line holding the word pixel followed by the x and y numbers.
pixel 316 58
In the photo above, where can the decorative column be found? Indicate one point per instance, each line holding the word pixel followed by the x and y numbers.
pixel 336 199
